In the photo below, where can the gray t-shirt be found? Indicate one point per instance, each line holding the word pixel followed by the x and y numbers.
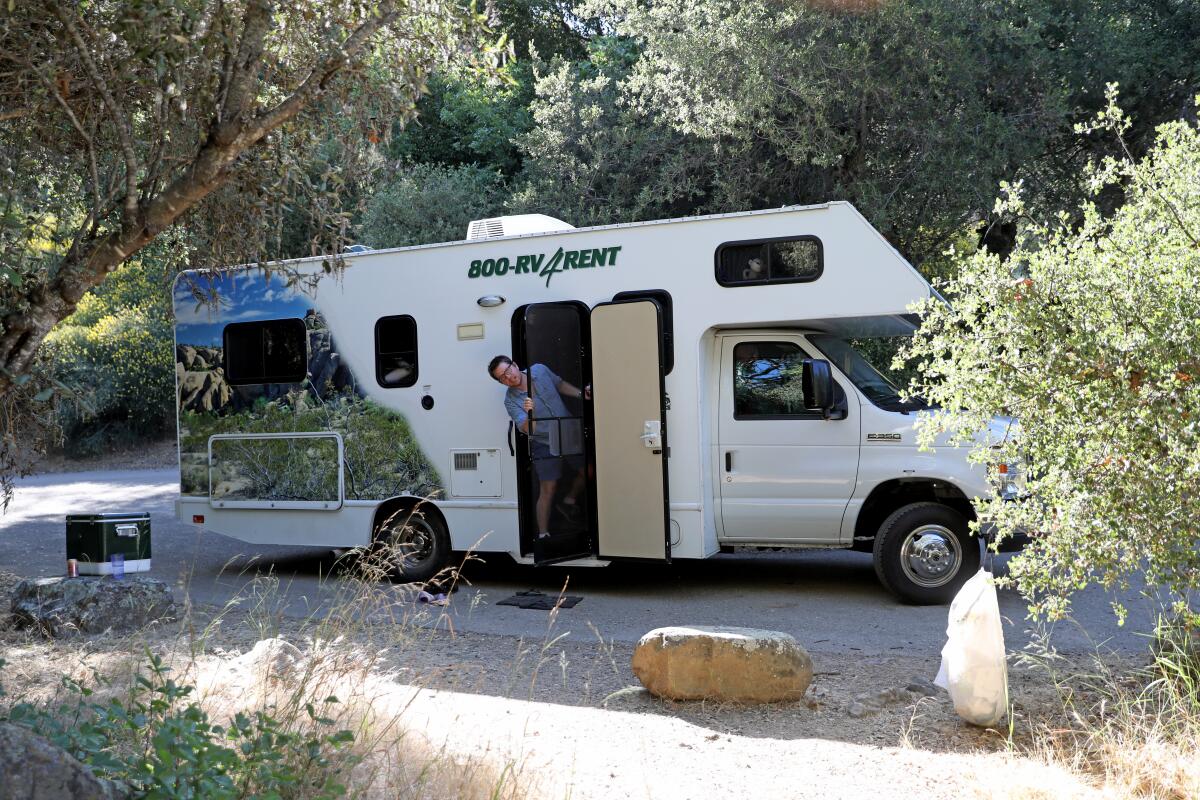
pixel 547 402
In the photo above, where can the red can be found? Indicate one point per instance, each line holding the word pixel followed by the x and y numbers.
pixel 72 568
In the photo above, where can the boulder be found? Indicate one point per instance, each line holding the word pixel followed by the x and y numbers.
pixel 742 665
pixel 32 768
pixel 63 606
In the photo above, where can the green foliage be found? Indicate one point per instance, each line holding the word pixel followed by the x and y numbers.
pixel 913 111
pixel 427 203
pixel 116 354
pixel 1087 335
pixel 163 745
pixel 591 159
pixel 464 121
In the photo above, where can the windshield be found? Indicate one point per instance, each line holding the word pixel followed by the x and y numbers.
pixel 880 389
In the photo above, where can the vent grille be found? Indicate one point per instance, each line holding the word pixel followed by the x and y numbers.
pixel 486 228
pixel 466 461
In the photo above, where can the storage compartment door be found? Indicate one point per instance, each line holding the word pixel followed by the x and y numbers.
pixel 632 514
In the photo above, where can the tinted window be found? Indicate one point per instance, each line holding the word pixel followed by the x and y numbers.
pixel 794 260
pixel 270 351
pixel 396 351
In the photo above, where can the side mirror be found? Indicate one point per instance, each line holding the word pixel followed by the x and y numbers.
pixel 816 384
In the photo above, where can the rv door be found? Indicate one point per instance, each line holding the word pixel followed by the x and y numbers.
pixel 632 512
pixel 554 492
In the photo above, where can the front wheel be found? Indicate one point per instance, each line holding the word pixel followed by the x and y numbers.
pixel 924 553
pixel 414 545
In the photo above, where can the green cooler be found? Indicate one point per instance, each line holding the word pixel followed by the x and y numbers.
pixel 92 540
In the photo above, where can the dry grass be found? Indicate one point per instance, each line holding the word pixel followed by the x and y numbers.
pixel 1132 729
pixel 331 666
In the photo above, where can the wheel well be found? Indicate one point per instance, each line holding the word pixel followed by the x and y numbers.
pixel 404 506
pixel 891 495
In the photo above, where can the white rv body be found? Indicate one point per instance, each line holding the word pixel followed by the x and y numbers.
pixel 766 482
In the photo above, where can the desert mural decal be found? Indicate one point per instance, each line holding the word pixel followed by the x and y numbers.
pixel 381 458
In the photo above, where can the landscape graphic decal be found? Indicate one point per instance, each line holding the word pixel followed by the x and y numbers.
pixel 381 457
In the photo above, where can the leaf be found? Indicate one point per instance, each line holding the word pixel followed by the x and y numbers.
pixel 43 395
pixel 13 276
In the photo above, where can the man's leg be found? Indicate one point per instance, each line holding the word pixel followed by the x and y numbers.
pixel 544 503
pixel 576 487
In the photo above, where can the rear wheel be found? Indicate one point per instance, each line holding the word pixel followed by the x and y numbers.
pixel 924 553
pixel 413 544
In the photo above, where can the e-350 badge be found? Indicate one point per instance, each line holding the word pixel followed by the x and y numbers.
pixel 883 437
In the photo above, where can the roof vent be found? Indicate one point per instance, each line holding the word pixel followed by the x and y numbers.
pixel 515 225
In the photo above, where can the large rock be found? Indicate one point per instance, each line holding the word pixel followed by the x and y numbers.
pixel 32 768
pixel 62 606
pixel 742 665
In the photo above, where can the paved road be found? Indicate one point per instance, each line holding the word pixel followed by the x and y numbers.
pixel 829 600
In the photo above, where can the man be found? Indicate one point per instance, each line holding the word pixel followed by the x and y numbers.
pixel 547 405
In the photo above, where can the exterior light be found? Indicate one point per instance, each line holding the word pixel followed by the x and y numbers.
pixel 490 300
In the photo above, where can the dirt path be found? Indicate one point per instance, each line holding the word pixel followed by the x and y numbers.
pixel 569 717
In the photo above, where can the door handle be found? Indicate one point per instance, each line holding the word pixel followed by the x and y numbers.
pixel 729 461
pixel 652 434
pixel 512 451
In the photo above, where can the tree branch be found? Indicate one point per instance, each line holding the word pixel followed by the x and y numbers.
pixel 124 132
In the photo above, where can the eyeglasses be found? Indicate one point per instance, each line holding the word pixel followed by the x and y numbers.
pixel 507 371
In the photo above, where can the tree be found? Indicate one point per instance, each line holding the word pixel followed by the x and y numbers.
pixel 913 111
pixel 121 119
pixel 425 203
pixel 1088 335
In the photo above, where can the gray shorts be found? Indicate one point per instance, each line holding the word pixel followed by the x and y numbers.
pixel 550 467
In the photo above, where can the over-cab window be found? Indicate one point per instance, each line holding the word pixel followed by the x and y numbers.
pixel 767 381
pixel 797 259
pixel 396 351
pixel 266 351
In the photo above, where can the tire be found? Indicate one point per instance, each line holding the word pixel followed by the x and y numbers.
pixel 924 553
pixel 414 544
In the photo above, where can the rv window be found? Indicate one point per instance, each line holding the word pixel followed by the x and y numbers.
pixel 396 351
pixel 790 260
pixel 269 351
pixel 766 381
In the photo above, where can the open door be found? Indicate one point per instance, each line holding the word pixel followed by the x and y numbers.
pixel 551 344
pixel 630 441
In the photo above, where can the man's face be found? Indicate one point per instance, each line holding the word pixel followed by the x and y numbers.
pixel 508 374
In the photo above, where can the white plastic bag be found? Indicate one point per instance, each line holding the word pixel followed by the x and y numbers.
pixel 973 669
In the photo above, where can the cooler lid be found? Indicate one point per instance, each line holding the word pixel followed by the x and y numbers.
pixel 128 517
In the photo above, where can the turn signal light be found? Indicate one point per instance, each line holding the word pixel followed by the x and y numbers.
pixel 197 519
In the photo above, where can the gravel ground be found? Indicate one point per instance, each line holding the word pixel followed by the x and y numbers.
pixel 568 710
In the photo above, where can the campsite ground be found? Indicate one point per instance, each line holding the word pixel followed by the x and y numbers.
pixel 553 693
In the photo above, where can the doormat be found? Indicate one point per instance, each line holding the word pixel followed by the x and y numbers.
pixel 540 602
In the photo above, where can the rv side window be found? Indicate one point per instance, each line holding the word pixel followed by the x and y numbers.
pixel 766 381
pixel 268 351
pixel 396 351
pixel 790 260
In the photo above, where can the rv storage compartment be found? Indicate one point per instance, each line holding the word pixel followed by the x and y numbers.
pixel 92 539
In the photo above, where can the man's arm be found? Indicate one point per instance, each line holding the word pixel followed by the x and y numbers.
pixel 519 412
pixel 567 390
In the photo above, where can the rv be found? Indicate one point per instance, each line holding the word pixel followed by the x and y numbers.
pixel 709 381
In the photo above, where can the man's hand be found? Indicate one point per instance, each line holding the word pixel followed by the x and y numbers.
pixel 587 392
pixel 528 404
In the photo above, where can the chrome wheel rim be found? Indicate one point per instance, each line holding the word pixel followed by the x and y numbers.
pixel 931 556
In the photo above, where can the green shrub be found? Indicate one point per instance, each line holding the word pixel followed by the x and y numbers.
pixel 162 745
pixel 425 203
pixel 116 352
